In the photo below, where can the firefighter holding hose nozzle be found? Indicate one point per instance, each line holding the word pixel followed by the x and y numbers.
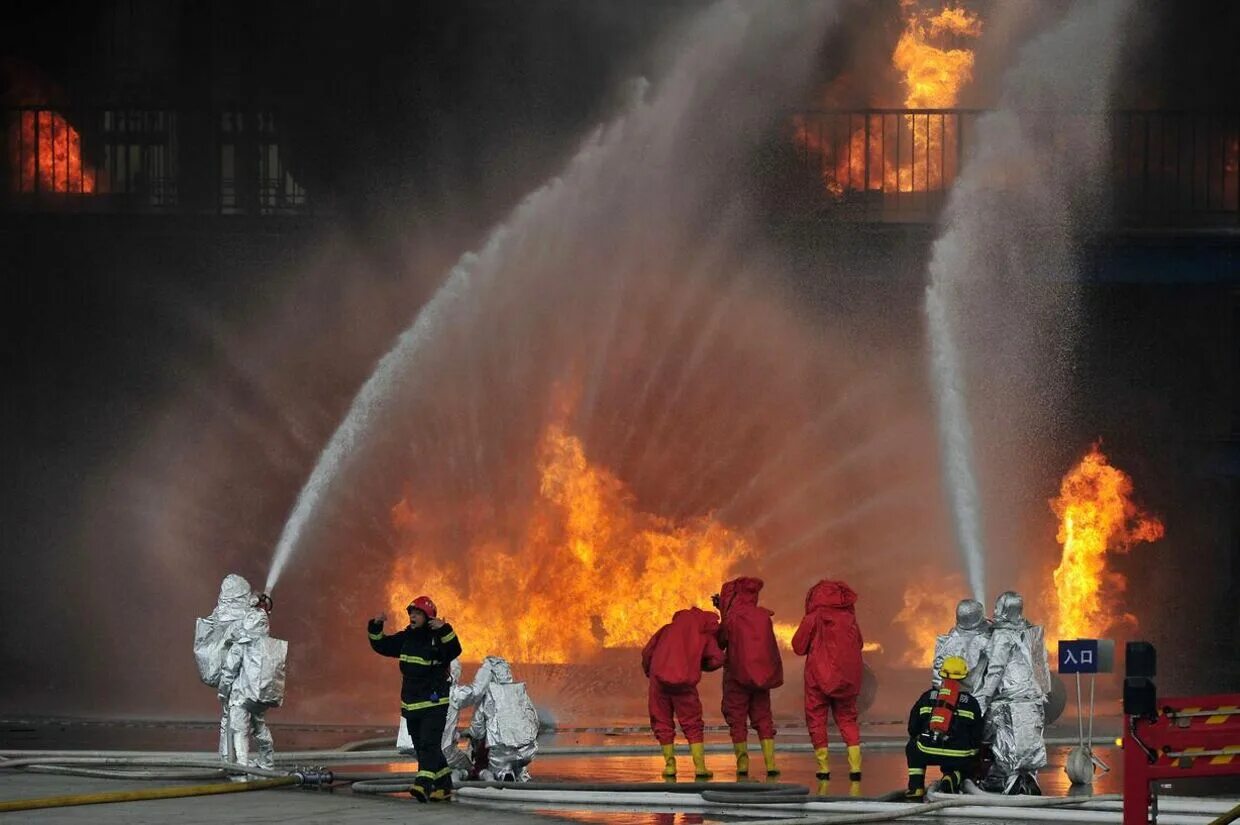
pixel 945 729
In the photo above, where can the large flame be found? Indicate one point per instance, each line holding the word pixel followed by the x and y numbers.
pixel 587 571
pixel 46 154
pixel 1096 517
pixel 934 76
pixel 929 609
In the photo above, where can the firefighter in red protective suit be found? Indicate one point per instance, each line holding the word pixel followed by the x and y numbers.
pixel 751 669
pixel 674 659
pixel 830 640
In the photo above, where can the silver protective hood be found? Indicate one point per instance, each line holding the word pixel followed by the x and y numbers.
pixel 1014 730
pixel 236 598
pixel 1010 609
pixel 968 640
pixel 970 615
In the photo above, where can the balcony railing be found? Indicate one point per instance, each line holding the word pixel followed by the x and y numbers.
pixel 129 160
pixel 1169 169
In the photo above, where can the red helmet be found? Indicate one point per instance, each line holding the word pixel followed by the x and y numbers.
pixel 424 604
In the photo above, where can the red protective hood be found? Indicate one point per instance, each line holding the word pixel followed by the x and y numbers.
pixel 743 590
pixel 830 594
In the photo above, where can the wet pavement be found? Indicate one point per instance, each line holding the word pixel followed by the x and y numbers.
pixel 883 769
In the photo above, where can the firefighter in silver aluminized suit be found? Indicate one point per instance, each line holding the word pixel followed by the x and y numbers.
pixel 507 721
pixel 968 640
pixel 253 682
pixel 462 696
pixel 213 636
pixel 1013 695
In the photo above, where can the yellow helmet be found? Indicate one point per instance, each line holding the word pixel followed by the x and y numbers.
pixel 954 667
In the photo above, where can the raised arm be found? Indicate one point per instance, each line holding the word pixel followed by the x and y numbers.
pixel 381 644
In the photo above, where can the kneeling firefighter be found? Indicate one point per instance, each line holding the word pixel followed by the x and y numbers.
pixel 506 721
pixel 424 648
pixel 752 667
pixel 945 729
pixel 674 659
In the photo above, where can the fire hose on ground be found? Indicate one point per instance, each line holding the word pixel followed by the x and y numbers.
pixel 822 811
pixel 752 799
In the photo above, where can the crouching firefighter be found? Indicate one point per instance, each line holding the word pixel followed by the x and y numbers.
pixel 506 721
pixel 945 729
pixel 425 649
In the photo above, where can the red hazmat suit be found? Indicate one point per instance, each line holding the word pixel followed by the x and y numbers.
pixel 674 659
pixel 831 641
pixel 753 665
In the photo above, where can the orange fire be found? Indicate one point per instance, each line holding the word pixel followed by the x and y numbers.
pixel 934 76
pixel 587 571
pixel 47 154
pixel 1096 517
pixel 929 609
pixel 907 153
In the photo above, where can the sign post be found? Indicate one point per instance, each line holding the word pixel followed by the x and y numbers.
pixel 1092 656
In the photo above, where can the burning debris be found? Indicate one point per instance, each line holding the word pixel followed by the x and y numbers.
pixel 46 154
pixel 1097 517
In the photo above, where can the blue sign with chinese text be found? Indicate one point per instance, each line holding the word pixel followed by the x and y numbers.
pixel 1086 655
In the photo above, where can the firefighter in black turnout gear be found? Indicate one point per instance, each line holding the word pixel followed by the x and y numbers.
pixel 945 729
pixel 425 648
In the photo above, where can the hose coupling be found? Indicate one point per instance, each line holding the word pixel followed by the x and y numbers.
pixel 313 777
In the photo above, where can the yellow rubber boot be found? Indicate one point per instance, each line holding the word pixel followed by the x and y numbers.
pixel 854 763
pixel 854 789
pixel 698 751
pixel 742 758
pixel 824 769
pixel 824 788
pixel 768 756
pixel 669 760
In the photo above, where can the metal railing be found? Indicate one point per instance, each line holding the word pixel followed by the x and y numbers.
pixel 892 165
pixel 1169 169
pixel 128 160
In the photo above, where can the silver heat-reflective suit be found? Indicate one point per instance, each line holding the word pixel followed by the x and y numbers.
pixel 215 634
pixel 506 719
pixel 968 640
pixel 1014 692
pixel 252 682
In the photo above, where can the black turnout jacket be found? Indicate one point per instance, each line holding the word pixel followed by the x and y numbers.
pixel 964 736
pixel 424 655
